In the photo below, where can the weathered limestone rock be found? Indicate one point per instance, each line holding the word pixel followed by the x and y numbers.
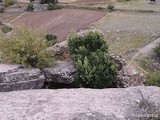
pixel 61 51
pixel 14 77
pixel 94 116
pixel 83 32
pixel 129 76
pixel 63 72
pixel 39 7
pixel 132 103
pixel 118 60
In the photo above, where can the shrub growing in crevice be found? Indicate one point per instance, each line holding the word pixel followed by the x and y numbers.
pixel 90 55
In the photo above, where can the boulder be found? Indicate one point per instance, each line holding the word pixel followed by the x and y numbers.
pixel 129 76
pixel 118 60
pixel 134 103
pixel 14 77
pixel 60 51
pixel 63 72
pixel 39 7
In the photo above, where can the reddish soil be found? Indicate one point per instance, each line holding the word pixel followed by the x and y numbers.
pixel 1 23
pixel 60 22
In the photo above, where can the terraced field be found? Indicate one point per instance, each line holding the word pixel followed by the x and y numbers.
pixel 60 22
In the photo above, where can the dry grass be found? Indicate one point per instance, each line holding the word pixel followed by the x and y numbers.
pixel 121 42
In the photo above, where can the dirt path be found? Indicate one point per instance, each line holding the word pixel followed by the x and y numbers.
pixel 60 22
pixel 146 50
pixel 16 18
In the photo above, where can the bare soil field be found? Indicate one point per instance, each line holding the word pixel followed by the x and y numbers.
pixel 60 22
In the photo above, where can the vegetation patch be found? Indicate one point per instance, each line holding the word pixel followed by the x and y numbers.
pixel 121 42
pixel 111 7
pixel 30 7
pixel 6 28
pixel 154 79
pixel 54 2
pixel 157 50
pixel 54 7
pixel 90 56
pixel 25 47
pixel 8 2
pixel 52 39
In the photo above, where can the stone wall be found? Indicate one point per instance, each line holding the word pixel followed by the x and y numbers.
pixel 15 78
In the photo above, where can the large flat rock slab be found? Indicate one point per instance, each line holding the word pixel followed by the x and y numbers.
pixel 14 77
pixel 8 67
pixel 81 104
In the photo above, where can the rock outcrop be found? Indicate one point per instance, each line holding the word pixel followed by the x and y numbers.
pixel 61 51
pixel 132 103
pixel 39 7
pixel 129 76
pixel 14 77
pixel 63 72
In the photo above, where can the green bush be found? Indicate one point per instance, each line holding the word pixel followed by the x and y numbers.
pixel 96 71
pixel 6 28
pixel 30 7
pixel 110 7
pixel 31 0
pixel 157 50
pixel 8 2
pixel 84 45
pixel 26 48
pixel 54 2
pixel 54 7
pixel 154 80
pixel 100 8
pixel 90 56
pixel 52 39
